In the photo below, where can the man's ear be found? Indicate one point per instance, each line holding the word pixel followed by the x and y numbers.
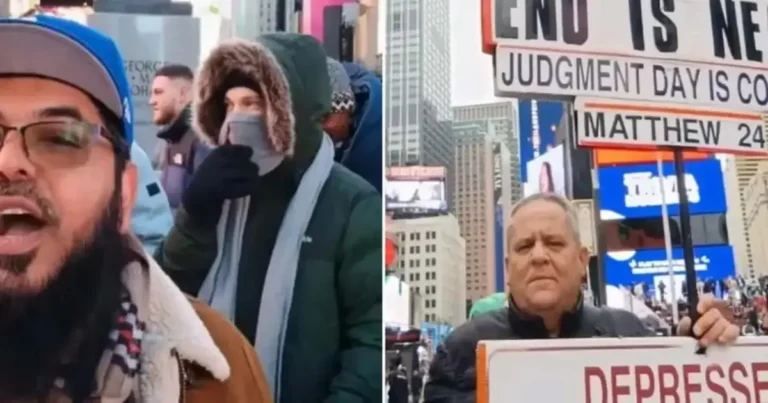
pixel 128 192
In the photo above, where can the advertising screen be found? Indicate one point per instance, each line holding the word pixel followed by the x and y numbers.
pixel 416 188
pixel 546 173
pixel 415 194
pixel 633 191
pixel 650 266
pixel 538 121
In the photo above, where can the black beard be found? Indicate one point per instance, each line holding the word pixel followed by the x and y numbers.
pixel 81 302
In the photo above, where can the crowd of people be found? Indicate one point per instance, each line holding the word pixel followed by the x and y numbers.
pixel 746 299
pixel 250 265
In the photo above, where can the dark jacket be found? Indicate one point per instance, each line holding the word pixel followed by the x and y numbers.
pixel 178 156
pixel 452 373
pixel 333 343
pixel 361 153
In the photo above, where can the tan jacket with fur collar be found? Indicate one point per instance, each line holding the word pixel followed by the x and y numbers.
pixel 195 355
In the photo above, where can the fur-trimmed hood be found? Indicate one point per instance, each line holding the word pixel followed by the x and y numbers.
pixel 291 72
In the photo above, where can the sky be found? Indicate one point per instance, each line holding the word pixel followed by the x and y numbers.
pixel 471 69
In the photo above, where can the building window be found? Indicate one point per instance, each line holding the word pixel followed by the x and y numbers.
pixel 413 20
pixel 397 21
pixel 394 113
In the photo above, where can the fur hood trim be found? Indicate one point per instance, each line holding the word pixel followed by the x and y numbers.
pixel 256 62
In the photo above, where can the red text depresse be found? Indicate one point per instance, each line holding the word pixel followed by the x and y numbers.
pixel 682 383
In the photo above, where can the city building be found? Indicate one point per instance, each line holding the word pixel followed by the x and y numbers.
pixel 756 219
pixel 254 17
pixel 501 121
pixel 487 184
pixel 418 81
pixel 431 260
pixel 738 173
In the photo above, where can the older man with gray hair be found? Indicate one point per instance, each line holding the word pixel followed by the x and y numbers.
pixel 546 266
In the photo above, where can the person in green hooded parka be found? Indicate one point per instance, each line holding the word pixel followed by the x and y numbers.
pixel 275 235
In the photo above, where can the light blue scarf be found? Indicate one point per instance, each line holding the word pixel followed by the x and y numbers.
pixel 220 286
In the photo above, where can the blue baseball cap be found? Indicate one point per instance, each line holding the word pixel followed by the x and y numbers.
pixel 72 53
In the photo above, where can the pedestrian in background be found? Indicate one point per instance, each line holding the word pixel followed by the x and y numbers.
pixel 151 218
pixel 179 152
pixel 276 235
pixel 354 122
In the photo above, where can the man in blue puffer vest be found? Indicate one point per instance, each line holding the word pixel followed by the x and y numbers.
pixel 355 120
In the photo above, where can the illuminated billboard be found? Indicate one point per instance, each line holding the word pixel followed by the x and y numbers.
pixel 416 189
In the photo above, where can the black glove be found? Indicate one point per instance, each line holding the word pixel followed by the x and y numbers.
pixel 227 173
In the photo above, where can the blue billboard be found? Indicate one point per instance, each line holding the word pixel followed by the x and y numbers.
pixel 537 120
pixel 633 191
pixel 650 265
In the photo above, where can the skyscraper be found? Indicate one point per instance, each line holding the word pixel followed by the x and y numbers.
pixel 418 81
pixel 500 118
pixel 486 186
pixel 755 198
pixel 739 173
pixel 254 17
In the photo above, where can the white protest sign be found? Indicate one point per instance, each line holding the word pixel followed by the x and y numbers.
pixel 681 51
pixel 621 370
pixel 611 123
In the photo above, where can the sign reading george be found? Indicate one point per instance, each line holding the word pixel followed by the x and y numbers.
pixel 599 370
pixel 609 123
pixel 683 51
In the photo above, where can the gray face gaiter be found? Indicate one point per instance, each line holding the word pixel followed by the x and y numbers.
pixel 251 130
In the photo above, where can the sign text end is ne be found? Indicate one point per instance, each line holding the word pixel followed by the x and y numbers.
pixel 691 52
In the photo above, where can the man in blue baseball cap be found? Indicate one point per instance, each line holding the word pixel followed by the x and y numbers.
pixel 85 314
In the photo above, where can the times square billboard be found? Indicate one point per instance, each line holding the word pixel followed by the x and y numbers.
pixel 416 190
pixel 538 121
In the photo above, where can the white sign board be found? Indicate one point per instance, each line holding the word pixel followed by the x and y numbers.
pixel 650 370
pixel 611 123
pixel 682 51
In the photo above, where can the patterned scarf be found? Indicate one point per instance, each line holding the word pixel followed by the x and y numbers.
pixel 117 373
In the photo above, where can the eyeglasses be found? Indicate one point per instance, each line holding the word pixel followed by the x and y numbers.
pixel 60 144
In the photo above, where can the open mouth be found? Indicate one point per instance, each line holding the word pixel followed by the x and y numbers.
pixel 19 230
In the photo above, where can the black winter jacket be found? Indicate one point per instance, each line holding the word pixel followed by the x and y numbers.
pixel 452 372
